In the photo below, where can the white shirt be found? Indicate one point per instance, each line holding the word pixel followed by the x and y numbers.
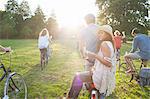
pixel 43 42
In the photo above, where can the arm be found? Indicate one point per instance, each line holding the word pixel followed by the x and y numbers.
pixel 106 52
pixel 123 35
pixel 81 47
pixel 134 45
pixel 2 48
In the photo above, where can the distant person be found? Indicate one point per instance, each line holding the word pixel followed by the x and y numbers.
pixel 118 37
pixel 88 39
pixel 49 50
pixel 124 39
pixel 103 72
pixel 43 43
pixel 140 49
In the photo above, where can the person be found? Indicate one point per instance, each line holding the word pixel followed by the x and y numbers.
pixel 124 40
pixel 88 39
pixel 103 74
pixel 5 49
pixel 49 49
pixel 140 49
pixel 118 40
pixel 43 43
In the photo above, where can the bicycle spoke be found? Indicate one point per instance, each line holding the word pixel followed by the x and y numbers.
pixel 18 85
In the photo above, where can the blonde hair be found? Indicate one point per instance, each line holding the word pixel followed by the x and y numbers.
pixel 44 32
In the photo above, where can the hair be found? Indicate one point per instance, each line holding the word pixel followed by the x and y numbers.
pixel 116 33
pixel 136 30
pixel 111 40
pixel 44 32
pixel 90 18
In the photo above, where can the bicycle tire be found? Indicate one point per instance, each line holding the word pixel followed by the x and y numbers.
pixel 94 94
pixel 15 87
pixel 124 77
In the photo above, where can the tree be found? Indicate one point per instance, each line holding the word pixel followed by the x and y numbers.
pixel 24 9
pixel 124 14
pixel 52 26
pixel 36 22
pixel 12 6
pixel 7 25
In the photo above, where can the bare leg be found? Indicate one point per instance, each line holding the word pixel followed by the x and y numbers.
pixel 129 62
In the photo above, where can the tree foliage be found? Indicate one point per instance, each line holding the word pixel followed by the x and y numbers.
pixel 18 22
pixel 24 9
pixel 124 14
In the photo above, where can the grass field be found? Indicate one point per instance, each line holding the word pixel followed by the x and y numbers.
pixel 56 78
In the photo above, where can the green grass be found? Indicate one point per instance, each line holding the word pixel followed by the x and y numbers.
pixel 56 78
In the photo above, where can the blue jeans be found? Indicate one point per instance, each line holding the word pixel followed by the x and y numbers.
pixel 102 96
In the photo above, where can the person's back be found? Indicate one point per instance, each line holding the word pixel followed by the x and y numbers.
pixel 89 36
pixel 88 40
pixel 118 41
pixel 142 42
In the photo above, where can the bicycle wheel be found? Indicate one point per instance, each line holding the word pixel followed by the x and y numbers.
pixel 15 87
pixel 124 77
pixel 94 94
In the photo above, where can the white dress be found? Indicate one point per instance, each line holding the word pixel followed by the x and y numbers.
pixel 103 76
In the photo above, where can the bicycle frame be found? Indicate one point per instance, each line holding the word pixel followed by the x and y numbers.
pixel 135 75
pixel 5 72
pixel 10 78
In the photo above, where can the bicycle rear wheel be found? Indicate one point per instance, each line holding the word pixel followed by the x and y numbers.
pixel 15 87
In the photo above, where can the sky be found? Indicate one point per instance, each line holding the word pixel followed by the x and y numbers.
pixel 68 12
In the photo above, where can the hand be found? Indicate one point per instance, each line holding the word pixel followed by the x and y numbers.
pixel 91 54
pixel 7 49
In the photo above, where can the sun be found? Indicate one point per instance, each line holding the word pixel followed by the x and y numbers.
pixel 70 13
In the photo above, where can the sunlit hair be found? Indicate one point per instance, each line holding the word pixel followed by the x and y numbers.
pixel 44 32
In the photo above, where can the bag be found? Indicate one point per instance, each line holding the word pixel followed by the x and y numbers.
pixel 144 76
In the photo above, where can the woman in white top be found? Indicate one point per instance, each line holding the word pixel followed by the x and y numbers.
pixel 43 43
pixel 103 74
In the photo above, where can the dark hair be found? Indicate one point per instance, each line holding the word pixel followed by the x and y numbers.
pixel 136 30
pixel 90 18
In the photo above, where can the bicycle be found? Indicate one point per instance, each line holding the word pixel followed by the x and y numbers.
pixel 93 92
pixel 15 86
pixel 133 76
pixel 46 54
pixel 118 57
pixel 43 58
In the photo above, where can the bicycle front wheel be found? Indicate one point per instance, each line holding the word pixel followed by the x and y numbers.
pixel 15 87
pixel 124 77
